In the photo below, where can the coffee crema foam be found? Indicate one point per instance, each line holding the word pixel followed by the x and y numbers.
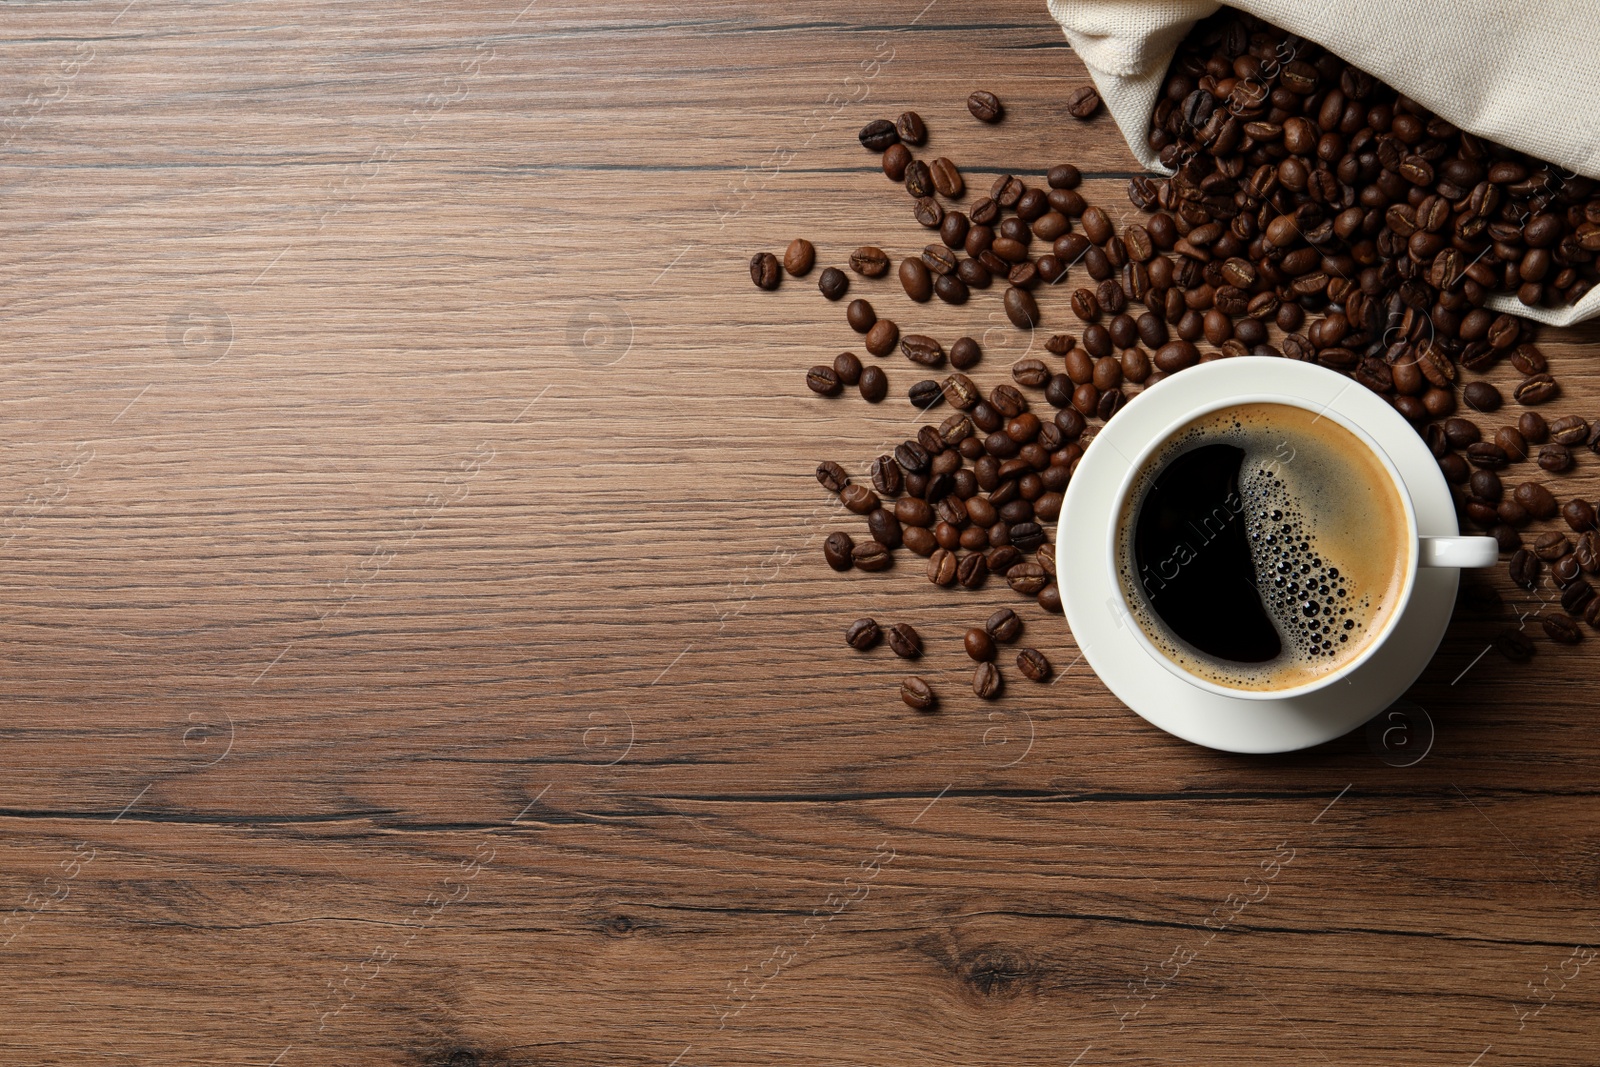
pixel 1327 534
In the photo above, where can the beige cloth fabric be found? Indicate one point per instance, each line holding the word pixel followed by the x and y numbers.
pixel 1522 74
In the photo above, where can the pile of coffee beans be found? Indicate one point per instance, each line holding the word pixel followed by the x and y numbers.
pixel 1314 214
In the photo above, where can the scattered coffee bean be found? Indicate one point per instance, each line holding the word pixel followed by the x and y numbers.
pixel 1575 596
pixel 1514 645
pixel 916 694
pixel 823 381
pixel 831 476
pixel 915 280
pixel 946 178
pixel 874 384
pixel 1551 546
pixel 979 645
pixel 859 499
pixel 986 682
pixel 765 271
pixel 1004 625
pixel 904 641
pixel 1561 628
pixel 1033 665
pixel 1524 567
pixel 925 394
pixel 862 634
pixel 1481 396
pixel 836 550
pixel 1580 515
pixel 1021 308
pixel 911 129
pixel 869 262
pixel 860 315
pixel 847 365
pixel 798 257
pixel 1083 102
pixel 919 185
pixel 833 283
pixel 1555 458
pixel 882 337
pixel 985 106
pixel 878 135
pixel 872 556
pixel 896 158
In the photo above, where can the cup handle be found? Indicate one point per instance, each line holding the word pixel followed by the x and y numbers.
pixel 1458 552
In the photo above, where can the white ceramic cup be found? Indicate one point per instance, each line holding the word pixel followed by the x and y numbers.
pixel 1421 551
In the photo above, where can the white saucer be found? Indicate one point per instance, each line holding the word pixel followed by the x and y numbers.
pixel 1156 694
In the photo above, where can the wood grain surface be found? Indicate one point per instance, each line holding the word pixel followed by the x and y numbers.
pixel 417 650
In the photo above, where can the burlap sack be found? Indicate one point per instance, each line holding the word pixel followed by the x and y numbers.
pixel 1523 74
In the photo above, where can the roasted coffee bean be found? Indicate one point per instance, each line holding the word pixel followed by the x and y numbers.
pixel 1021 308
pixel 1588 551
pixel 1533 428
pixel 1536 389
pixel 878 135
pixel 848 367
pixel 799 257
pixel 1506 537
pixel 1003 625
pixel 860 315
pixel 942 565
pixel 1460 433
pixel 946 178
pixel 916 693
pixel 886 476
pixel 1539 501
pixel 836 550
pixel 858 498
pixel 764 270
pixel 1569 430
pixel 1512 443
pixel 1551 546
pixel 954 229
pixel 1027 578
pixel 986 681
pixel 973 569
pixel 1007 401
pixel 919 539
pixel 1027 536
pixel 1030 372
pixel 911 128
pixel 872 556
pixel 950 289
pixel 920 348
pixel 1524 568
pixel 1083 102
pixel 833 283
pixel 884 527
pixel 919 181
pixel 1175 356
pixel 1580 515
pixel 925 394
pixel 979 645
pixel 823 381
pixel 904 641
pixel 1485 485
pixel 874 384
pixel 1514 645
pixel 938 259
pixel 1576 596
pixel 1565 570
pixel 985 106
pixel 863 634
pixel 1064 176
pixel 882 337
pixel 1049 598
pixel 1481 396
pixel 1561 628
pixel 831 476
pixel 896 158
pixel 927 211
pixel 1555 458
pixel 1033 665
pixel 964 353
pixel 915 280
pixel 869 261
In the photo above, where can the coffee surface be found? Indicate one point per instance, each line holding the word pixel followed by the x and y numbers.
pixel 1263 546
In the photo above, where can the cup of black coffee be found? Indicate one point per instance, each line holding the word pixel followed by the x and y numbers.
pixel 1265 547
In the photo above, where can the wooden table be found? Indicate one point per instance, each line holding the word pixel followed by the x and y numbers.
pixel 417 648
